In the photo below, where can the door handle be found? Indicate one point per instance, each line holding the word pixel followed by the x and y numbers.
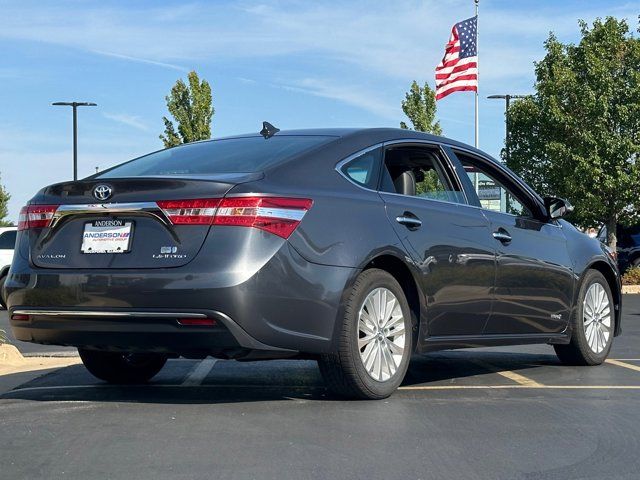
pixel 409 220
pixel 502 236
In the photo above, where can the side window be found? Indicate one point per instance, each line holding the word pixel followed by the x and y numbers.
pixel 418 172
pixel 364 169
pixel 8 240
pixel 493 195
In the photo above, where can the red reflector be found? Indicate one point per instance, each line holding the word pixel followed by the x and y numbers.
pixel 190 212
pixel 36 216
pixel 199 322
pixel 276 215
pixel 19 317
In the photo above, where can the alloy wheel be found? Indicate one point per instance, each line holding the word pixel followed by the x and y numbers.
pixel 381 334
pixel 596 315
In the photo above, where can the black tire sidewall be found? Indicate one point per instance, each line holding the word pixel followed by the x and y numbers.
pixel 579 333
pixel 371 280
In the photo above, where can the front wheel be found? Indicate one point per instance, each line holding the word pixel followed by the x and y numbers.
pixel 374 340
pixel 122 368
pixel 592 324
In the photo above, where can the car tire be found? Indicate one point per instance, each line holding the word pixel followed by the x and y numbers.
pixel 3 302
pixel 635 262
pixel 122 368
pixel 592 324
pixel 371 359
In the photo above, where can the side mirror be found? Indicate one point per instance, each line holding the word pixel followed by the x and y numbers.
pixel 557 207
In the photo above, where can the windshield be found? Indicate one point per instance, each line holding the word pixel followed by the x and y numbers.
pixel 234 155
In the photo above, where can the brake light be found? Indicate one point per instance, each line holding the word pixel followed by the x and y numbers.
pixel 190 212
pixel 36 216
pixel 276 215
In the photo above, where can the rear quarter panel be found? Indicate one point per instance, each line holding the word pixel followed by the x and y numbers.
pixel 347 225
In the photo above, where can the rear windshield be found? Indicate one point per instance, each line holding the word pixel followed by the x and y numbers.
pixel 233 155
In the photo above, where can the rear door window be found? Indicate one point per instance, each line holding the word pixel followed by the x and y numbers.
pixel 232 155
pixel 418 171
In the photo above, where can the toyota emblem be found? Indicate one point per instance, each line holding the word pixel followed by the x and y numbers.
pixel 102 192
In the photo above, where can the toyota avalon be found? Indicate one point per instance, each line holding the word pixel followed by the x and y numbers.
pixel 355 247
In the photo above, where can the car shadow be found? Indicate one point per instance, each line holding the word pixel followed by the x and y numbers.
pixel 235 382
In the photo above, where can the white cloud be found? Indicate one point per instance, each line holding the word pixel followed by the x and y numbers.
pixel 350 94
pixel 399 40
pixel 142 60
pixel 129 120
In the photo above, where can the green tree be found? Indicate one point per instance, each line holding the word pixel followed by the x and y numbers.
pixel 4 201
pixel 578 137
pixel 419 105
pixel 191 107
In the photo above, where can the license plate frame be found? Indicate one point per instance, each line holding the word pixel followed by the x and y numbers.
pixel 102 242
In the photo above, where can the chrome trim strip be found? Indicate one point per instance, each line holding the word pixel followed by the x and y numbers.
pixel 149 209
pixel 70 209
pixel 95 313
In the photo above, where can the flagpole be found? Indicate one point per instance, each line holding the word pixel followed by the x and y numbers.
pixel 478 69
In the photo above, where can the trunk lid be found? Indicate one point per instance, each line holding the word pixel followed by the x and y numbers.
pixel 146 238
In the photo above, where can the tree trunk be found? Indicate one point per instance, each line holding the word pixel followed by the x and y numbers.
pixel 612 224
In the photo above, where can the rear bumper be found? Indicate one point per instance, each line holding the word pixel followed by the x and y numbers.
pixel 278 303
pixel 140 330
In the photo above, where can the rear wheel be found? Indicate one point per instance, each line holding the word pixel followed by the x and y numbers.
pixel 123 368
pixel 374 340
pixel 592 324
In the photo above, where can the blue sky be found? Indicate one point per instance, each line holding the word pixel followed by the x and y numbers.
pixel 297 64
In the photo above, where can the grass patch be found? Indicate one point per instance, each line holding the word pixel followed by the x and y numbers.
pixel 631 276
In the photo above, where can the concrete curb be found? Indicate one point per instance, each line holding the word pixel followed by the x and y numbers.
pixel 631 289
pixel 9 355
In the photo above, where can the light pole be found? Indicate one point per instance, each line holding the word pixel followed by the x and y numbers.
pixel 75 106
pixel 507 98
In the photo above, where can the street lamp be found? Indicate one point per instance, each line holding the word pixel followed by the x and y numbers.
pixel 507 98
pixel 75 106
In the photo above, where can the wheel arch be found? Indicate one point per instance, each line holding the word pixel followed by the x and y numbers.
pixel 612 279
pixel 397 268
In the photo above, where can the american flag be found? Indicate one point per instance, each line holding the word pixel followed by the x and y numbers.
pixel 458 70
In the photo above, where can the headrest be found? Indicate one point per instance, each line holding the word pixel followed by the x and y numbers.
pixel 405 183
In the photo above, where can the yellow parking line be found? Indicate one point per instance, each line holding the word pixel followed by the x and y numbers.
pixel 511 375
pixel 623 364
pixel 519 386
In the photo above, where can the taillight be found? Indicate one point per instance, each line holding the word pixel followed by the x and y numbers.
pixel 276 215
pixel 36 216
pixel 190 212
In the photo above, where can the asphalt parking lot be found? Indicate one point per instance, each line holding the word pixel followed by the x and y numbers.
pixel 499 413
